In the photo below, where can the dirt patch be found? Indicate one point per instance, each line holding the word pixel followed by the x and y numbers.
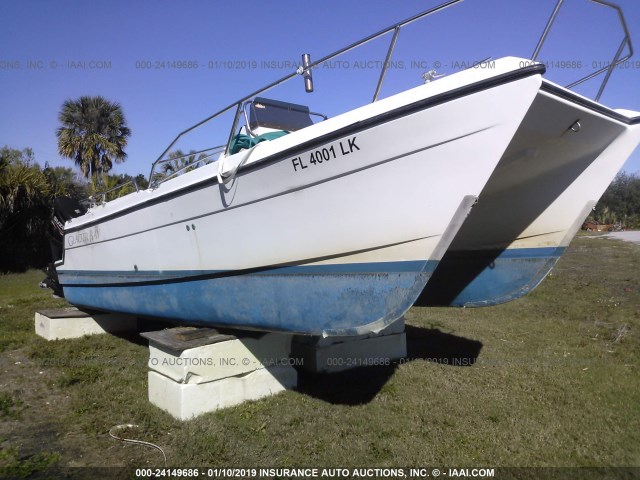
pixel 37 429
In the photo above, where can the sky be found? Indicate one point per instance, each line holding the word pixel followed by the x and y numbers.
pixel 170 64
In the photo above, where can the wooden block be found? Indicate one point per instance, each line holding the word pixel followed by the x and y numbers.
pixel 178 339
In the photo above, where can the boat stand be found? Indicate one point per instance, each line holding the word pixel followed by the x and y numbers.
pixel 70 322
pixel 197 370
pixel 193 371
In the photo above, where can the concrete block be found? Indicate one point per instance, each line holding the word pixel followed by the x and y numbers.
pixel 70 322
pixel 345 355
pixel 227 358
pixel 187 400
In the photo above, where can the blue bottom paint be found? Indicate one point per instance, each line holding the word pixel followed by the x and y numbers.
pixel 488 277
pixel 336 299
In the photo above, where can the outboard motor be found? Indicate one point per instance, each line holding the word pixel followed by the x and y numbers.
pixel 64 209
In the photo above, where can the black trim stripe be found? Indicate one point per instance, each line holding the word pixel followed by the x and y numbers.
pixel 352 129
pixel 589 104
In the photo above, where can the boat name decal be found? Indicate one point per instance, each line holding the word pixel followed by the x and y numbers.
pixel 83 237
pixel 325 154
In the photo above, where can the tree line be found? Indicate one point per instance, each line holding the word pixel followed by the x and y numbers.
pixel 27 191
pixel 93 133
pixel 620 203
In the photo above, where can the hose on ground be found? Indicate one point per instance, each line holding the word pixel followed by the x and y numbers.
pixel 130 440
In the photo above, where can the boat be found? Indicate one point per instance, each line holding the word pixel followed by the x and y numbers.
pixel 563 156
pixel 297 222
pixel 301 223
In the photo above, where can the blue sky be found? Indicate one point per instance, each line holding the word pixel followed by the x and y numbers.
pixel 172 63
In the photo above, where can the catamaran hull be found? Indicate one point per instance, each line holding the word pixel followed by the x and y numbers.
pixel 306 300
pixel 327 231
pixel 561 160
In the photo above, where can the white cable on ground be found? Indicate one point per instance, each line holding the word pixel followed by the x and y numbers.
pixel 138 442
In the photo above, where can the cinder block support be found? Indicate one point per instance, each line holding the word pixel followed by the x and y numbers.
pixel 227 357
pixel 194 371
pixel 336 354
pixel 64 323
pixel 187 400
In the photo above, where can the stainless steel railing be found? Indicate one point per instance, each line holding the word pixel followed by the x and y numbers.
pixel 101 197
pixel 617 60
pixel 307 66
pixel 305 72
pixel 205 156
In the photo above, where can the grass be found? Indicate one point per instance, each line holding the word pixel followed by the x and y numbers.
pixel 12 466
pixel 19 298
pixel 9 406
pixel 548 380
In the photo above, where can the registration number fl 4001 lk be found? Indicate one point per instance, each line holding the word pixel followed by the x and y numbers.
pixel 324 154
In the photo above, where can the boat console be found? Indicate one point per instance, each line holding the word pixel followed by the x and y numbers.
pixel 267 119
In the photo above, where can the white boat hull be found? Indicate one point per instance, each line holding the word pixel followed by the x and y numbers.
pixel 339 246
pixel 547 183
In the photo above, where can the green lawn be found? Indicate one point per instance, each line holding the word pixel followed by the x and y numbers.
pixel 555 383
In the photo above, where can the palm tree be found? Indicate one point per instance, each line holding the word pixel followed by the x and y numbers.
pixel 25 199
pixel 93 133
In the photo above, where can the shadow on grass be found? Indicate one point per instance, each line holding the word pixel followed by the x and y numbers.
pixel 353 387
pixel 436 346
pixel 360 385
